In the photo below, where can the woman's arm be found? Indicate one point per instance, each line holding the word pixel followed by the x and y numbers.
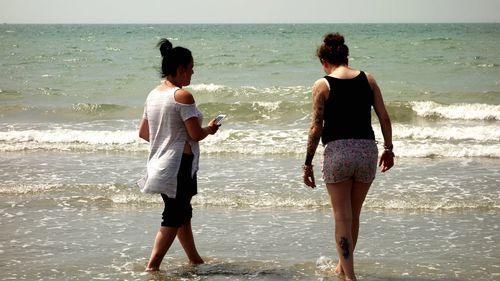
pixel 144 130
pixel 387 158
pixel 319 93
pixel 195 131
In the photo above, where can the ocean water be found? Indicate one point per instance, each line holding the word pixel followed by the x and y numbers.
pixel 71 97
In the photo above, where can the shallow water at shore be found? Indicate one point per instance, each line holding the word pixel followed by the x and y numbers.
pixel 245 244
pixel 250 223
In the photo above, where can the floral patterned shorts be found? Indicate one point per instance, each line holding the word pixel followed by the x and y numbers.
pixel 348 159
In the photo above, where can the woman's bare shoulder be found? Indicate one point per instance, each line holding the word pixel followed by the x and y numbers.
pixel 183 96
pixel 370 77
pixel 321 85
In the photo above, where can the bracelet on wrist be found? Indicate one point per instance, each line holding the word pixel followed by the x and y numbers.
pixel 307 167
pixel 388 147
pixel 389 152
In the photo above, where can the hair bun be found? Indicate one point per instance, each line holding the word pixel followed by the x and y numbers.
pixel 164 46
pixel 334 39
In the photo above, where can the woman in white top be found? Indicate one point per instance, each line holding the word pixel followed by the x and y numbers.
pixel 172 125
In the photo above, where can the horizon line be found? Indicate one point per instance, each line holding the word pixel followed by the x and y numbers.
pixel 237 23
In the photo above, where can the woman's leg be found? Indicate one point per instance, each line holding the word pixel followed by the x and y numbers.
pixel 341 194
pixel 340 197
pixel 358 195
pixel 185 236
pixel 164 239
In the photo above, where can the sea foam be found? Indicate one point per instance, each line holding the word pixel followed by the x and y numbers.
pixel 475 111
pixel 409 141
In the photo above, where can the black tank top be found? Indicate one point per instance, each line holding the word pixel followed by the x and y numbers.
pixel 348 109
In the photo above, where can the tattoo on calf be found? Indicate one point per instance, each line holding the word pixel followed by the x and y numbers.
pixel 344 245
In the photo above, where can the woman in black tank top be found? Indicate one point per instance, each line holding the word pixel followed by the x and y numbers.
pixel 341 118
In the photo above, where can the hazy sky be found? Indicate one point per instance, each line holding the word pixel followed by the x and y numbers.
pixel 248 11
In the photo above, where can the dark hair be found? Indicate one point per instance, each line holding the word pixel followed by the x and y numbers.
pixel 172 58
pixel 333 50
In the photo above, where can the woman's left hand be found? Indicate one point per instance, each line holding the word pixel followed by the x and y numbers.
pixel 386 161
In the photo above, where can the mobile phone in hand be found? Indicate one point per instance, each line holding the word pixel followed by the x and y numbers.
pixel 219 118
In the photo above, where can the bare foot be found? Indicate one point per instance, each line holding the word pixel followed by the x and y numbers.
pixel 152 269
pixel 197 261
pixel 339 269
pixel 341 272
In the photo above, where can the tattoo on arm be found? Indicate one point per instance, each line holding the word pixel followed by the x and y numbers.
pixel 316 125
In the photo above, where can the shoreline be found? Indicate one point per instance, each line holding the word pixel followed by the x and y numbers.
pixel 268 244
pixel 271 182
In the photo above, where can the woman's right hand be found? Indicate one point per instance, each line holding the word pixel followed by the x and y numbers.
pixel 309 176
pixel 213 127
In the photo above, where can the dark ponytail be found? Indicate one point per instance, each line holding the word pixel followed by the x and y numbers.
pixel 164 46
pixel 333 50
pixel 173 58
